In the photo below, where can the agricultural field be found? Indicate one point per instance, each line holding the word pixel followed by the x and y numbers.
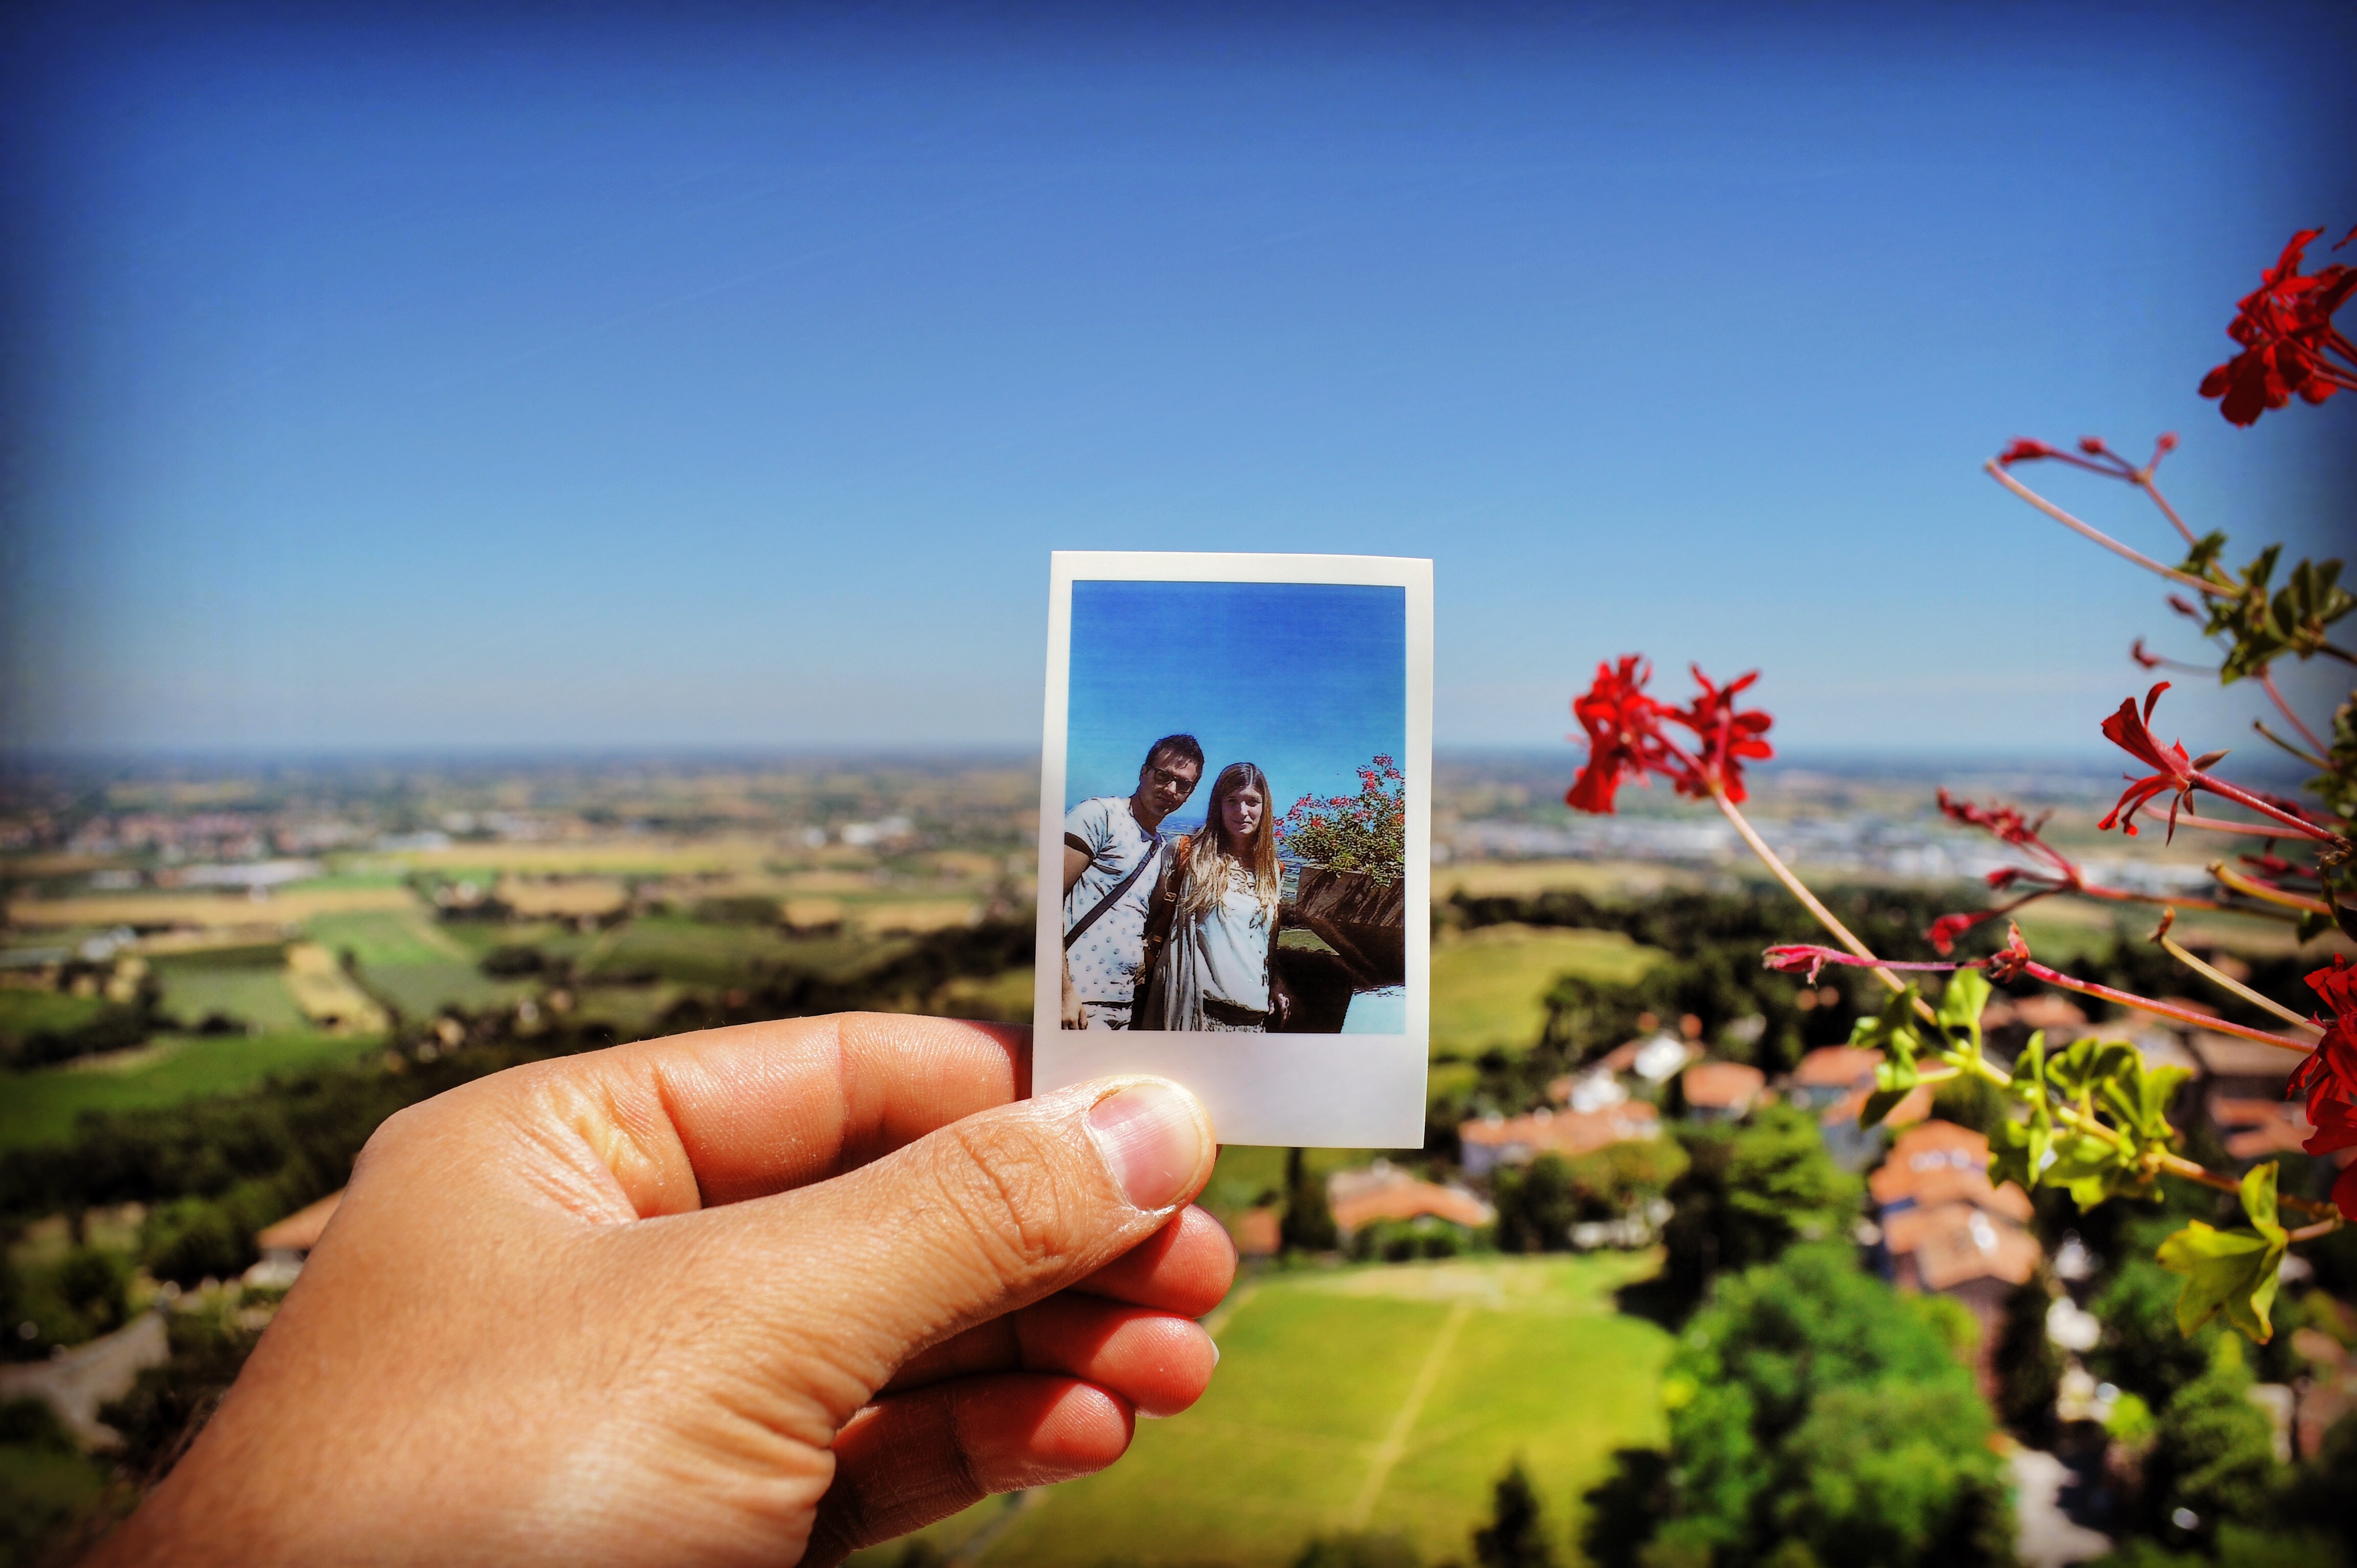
pixel 1384 1398
pixel 39 1107
pixel 412 961
pixel 1490 985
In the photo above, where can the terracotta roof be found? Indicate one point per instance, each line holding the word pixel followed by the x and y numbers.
pixel 1718 1086
pixel 2260 1127
pixel 2049 1012
pixel 1568 1132
pixel 1940 1163
pixel 1836 1067
pixel 300 1231
pixel 2229 1055
pixel 1360 1197
pixel 1255 1232
pixel 1850 1106
pixel 1958 1243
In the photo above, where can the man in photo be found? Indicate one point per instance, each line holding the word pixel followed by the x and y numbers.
pixel 1113 847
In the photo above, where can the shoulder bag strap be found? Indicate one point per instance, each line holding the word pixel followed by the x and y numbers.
pixel 1110 899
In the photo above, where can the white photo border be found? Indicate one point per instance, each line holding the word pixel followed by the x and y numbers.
pixel 1362 1092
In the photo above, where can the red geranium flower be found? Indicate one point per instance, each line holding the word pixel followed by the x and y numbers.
pixel 1625 732
pixel 2284 326
pixel 1727 738
pixel 2131 733
pixel 2329 1077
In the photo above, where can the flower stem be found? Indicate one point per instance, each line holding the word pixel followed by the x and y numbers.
pixel 2143 482
pixel 2265 894
pixel 2105 539
pixel 1809 900
pixel 2162 1009
pixel 2241 796
pixel 2229 982
pixel 2268 679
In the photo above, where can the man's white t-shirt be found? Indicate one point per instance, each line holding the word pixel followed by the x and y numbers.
pixel 1105 959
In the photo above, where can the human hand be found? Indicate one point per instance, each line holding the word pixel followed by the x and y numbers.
pixel 752 1295
pixel 1075 1016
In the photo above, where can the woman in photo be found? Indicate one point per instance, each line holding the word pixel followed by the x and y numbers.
pixel 1211 929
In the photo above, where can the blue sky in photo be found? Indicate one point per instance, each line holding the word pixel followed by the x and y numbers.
pixel 722 376
pixel 1307 679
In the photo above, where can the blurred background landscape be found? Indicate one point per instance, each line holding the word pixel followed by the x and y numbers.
pixel 525 533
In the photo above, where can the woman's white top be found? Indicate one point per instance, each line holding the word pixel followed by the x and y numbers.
pixel 1233 942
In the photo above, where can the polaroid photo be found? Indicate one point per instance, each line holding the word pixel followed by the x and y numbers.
pixel 1235 816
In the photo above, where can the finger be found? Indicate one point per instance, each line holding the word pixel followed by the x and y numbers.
pixel 979 1219
pixel 1160 1362
pixel 690 1120
pixel 1186 1267
pixel 917 1457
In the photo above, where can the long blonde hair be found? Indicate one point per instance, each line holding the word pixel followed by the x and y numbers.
pixel 1212 856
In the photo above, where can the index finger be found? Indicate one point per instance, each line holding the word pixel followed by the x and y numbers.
pixel 721 1115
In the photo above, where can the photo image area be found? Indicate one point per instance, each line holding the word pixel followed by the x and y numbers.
pixel 1303 696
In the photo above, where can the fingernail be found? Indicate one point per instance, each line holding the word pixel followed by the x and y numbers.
pixel 1151 1142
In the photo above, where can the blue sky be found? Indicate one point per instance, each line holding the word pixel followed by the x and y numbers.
pixel 701 376
pixel 1307 679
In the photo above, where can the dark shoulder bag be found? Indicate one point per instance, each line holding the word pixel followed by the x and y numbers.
pixel 1161 911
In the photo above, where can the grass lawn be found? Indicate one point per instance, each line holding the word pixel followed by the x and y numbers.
pixel 40 1107
pixel 255 997
pixel 1489 985
pixel 1382 1398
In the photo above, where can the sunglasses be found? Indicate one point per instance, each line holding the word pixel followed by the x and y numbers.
pixel 1169 780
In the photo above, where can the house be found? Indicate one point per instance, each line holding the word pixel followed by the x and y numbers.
pixel 1655 1058
pixel 284 1245
pixel 2255 1129
pixel 1947 1229
pixel 1383 1191
pixel 1256 1232
pixel 1836 1082
pixel 1722 1092
pixel 1494 1140
pixel 2240 1069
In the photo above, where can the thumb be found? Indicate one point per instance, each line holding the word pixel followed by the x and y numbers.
pixel 990 1214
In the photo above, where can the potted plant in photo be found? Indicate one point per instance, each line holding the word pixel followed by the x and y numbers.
pixel 1352 892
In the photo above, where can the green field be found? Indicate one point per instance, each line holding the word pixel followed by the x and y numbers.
pixel 40 1107
pixel 255 997
pixel 1488 987
pixel 694 952
pixel 409 961
pixel 24 1014
pixel 1382 1398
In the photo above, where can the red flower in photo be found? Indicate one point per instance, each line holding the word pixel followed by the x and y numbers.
pixel 1727 736
pixel 1625 732
pixel 2284 326
pixel 2131 733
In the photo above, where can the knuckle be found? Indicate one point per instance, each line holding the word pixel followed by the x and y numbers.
pixel 1004 1182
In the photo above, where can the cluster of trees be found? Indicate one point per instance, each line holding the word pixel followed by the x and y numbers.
pixel 1816 1416
pixel 1538 1204
pixel 40 1028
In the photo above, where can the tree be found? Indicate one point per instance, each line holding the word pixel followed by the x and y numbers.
pixel 1515 1536
pixel 1537 1205
pixel 1809 1403
pixel 1751 1191
pixel 2212 1460
pixel 1308 1224
pixel 2030 1364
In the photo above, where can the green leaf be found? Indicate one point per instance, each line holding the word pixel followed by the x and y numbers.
pixel 1879 1104
pixel 1960 1005
pixel 2233 1271
pixel 2020 1153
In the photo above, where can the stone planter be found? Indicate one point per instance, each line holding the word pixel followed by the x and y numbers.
pixel 1364 921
